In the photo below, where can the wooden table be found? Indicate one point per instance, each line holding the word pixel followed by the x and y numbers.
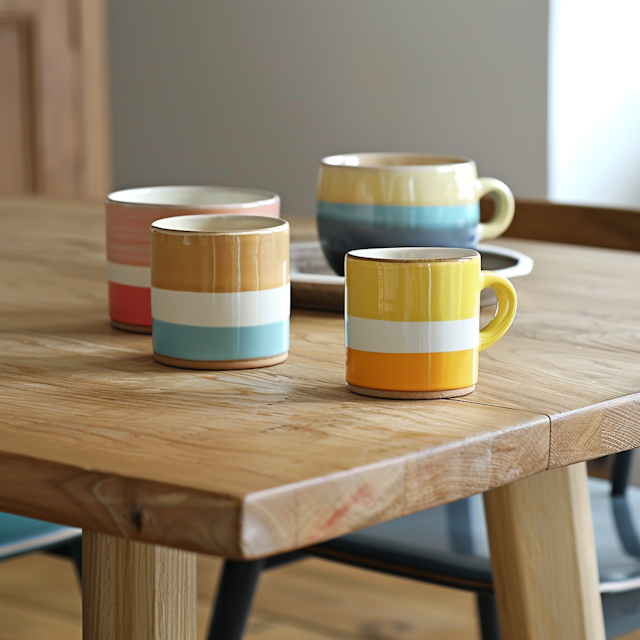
pixel 94 433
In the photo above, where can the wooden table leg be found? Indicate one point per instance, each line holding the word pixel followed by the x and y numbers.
pixel 543 554
pixel 136 591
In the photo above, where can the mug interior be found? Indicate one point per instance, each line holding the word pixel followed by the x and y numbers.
pixel 415 254
pixel 218 224
pixel 193 196
pixel 381 160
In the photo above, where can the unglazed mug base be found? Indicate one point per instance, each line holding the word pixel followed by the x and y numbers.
pixel 132 328
pixel 221 365
pixel 411 395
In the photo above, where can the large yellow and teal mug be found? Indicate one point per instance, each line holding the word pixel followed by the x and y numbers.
pixel 368 200
pixel 413 321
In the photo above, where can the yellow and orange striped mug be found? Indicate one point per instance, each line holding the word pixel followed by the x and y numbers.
pixel 413 321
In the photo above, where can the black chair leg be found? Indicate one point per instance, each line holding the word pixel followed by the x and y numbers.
pixel 75 553
pixel 235 595
pixel 488 612
pixel 621 471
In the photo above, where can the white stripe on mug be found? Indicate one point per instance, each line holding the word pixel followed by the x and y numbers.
pixel 240 309
pixel 131 276
pixel 386 336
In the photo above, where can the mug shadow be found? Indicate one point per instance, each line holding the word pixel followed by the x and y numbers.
pixel 90 348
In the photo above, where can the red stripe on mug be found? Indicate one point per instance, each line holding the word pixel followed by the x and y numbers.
pixel 130 305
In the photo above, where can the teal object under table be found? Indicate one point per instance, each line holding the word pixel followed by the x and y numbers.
pixel 20 535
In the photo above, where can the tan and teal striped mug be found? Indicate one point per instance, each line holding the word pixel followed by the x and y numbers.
pixel 220 294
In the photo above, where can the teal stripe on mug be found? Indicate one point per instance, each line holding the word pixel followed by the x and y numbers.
pixel 220 343
pixel 408 217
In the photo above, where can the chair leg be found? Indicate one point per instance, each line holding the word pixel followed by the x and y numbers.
pixel 488 613
pixel 75 553
pixel 621 471
pixel 233 602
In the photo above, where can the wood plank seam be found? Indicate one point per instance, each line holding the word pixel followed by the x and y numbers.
pixel 601 429
pixel 514 409
pixel 583 425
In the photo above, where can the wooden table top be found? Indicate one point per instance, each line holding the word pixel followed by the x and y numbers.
pixel 95 433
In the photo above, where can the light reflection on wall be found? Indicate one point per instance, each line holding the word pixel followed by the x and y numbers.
pixel 594 102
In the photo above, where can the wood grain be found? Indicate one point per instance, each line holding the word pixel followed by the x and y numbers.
pixel 303 228
pixel 16 127
pixel 92 86
pixel 573 349
pixel 137 590
pixel 20 622
pixel 573 224
pixel 543 556
pixel 249 463
pixel 121 506
pixel 41 581
pixel 234 463
pixel 317 296
pixel 341 601
pixel 610 426
pixel 596 431
pixel 54 123
pixel 40 600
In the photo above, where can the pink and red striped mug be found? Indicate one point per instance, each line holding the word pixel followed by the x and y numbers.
pixel 129 216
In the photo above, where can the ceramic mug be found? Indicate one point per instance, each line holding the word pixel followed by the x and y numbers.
pixel 368 200
pixel 129 216
pixel 412 320
pixel 220 295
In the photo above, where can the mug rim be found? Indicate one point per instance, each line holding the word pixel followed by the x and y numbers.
pixel 260 198
pixel 255 224
pixel 375 255
pixel 447 160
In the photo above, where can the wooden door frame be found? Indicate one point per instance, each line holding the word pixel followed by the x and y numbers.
pixel 66 95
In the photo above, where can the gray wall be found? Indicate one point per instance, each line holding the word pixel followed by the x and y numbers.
pixel 255 92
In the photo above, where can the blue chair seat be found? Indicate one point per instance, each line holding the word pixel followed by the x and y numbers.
pixel 20 535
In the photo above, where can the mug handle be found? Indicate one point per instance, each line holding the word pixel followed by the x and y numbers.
pixel 505 207
pixel 506 312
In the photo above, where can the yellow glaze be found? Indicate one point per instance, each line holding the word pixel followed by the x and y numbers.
pixel 439 291
pixel 504 211
pixel 413 291
pixel 507 304
pixel 418 180
pixel 427 185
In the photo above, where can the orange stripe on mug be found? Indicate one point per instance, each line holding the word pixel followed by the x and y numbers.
pixel 412 371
